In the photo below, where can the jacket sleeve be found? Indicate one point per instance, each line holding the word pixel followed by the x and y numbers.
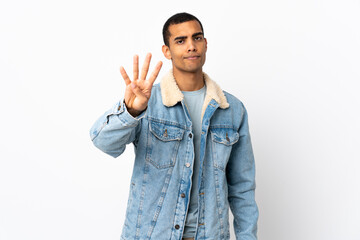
pixel 114 129
pixel 240 173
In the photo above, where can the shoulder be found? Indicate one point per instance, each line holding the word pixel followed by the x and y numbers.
pixel 233 101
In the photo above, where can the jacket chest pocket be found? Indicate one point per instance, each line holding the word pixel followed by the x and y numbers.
pixel 163 144
pixel 222 141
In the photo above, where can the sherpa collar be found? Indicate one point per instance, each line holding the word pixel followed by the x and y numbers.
pixel 171 94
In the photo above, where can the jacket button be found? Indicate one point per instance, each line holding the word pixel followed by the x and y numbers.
pixel 187 164
pixel 227 137
pixel 190 135
pixel 177 226
pixel 183 195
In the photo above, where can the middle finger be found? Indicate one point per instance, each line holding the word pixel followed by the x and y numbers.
pixel 145 67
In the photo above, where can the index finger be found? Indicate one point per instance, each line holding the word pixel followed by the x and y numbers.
pixel 125 76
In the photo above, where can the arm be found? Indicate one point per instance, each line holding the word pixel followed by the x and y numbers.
pixel 120 125
pixel 114 129
pixel 240 173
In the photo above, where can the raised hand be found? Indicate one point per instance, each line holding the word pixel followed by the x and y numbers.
pixel 138 91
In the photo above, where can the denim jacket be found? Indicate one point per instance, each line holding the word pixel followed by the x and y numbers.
pixel 164 156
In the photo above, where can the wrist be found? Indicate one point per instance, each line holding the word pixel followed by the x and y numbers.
pixel 134 112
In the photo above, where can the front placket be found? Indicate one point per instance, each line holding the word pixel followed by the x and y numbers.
pixel 209 112
pixel 185 183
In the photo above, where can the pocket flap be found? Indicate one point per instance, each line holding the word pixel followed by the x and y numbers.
pixel 227 136
pixel 166 132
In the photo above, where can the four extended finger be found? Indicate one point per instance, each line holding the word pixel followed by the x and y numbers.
pixel 136 67
pixel 125 76
pixel 145 67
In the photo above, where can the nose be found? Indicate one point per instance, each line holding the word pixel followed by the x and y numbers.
pixel 191 46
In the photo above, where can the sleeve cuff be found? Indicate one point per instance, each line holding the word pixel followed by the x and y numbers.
pixel 120 108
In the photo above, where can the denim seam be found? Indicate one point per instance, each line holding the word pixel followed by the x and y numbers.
pixel 214 155
pixel 222 126
pixel 171 123
pixel 142 197
pixel 202 203
pixel 218 204
pixel 187 153
pixel 160 203
pixel 130 200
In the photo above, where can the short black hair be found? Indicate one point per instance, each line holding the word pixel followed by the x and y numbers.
pixel 176 19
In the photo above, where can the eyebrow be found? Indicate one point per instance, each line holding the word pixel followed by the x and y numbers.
pixel 184 37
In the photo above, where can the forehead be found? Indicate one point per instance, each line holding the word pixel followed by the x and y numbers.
pixel 184 29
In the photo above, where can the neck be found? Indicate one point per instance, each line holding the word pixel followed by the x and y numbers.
pixel 189 81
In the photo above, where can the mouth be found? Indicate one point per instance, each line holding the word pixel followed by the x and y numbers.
pixel 192 57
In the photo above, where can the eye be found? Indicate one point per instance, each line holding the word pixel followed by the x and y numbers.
pixel 198 38
pixel 180 42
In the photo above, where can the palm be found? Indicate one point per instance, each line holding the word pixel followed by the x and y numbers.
pixel 138 91
pixel 138 102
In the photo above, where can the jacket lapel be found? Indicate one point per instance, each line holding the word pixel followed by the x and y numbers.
pixel 171 94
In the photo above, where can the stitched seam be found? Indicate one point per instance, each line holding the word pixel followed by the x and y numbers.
pixel 163 121
pixel 218 204
pixel 161 201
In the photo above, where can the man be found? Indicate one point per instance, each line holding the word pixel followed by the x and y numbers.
pixel 194 158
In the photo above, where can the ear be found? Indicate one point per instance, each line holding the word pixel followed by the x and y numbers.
pixel 166 52
pixel 205 43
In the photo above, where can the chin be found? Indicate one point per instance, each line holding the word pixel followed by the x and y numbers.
pixel 193 70
pixel 189 69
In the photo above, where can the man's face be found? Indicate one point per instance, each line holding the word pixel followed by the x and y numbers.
pixel 187 47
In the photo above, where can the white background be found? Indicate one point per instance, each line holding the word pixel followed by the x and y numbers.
pixel 294 64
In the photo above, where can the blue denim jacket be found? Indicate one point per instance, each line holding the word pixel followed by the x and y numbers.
pixel 161 180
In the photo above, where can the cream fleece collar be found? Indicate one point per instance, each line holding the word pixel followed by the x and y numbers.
pixel 171 94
